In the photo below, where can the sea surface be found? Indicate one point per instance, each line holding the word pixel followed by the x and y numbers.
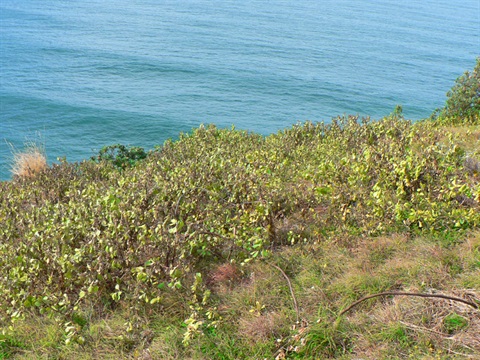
pixel 81 74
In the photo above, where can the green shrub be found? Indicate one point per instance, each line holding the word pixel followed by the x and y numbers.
pixel 120 155
pixel 463 99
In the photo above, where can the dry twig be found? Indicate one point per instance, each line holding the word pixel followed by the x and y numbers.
pixel 388 293
pixel 291 289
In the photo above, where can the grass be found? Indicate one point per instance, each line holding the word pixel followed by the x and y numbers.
pixel 30 161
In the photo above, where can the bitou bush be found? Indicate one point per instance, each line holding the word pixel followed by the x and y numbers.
pixel 85 235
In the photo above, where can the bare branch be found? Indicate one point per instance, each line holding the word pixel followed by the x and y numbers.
pixel 388 293
pixel 290 287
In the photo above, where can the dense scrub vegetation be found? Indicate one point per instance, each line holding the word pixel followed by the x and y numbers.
pixel 92 236
pixel 226 244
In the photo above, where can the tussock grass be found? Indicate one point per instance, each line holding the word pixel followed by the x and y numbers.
pixel 29 162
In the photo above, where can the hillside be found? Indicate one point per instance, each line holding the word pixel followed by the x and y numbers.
pixel 227 245
pixel 356 239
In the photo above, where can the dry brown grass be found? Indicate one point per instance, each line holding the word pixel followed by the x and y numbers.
pixel 263 327
pixel 29 162
pixel 405 326
pixel 224 278
pixel 468 137
pixel 424 319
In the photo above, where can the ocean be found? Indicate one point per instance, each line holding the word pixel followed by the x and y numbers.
pixel 81 74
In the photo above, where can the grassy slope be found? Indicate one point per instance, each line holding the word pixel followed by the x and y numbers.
pixel 255 314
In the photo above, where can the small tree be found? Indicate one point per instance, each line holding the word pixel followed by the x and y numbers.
pixel 463 99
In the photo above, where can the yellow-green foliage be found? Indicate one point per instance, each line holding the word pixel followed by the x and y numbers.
pixel 88 236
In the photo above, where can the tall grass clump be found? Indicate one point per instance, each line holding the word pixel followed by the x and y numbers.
pixel 29 161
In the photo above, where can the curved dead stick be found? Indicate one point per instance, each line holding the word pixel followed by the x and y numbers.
pixel 472 304
pixel 290 287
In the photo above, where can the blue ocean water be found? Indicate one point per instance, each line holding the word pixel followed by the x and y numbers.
pixel 89 73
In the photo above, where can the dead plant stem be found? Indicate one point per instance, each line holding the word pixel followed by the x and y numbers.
pixel 389 293
pixel 291 289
